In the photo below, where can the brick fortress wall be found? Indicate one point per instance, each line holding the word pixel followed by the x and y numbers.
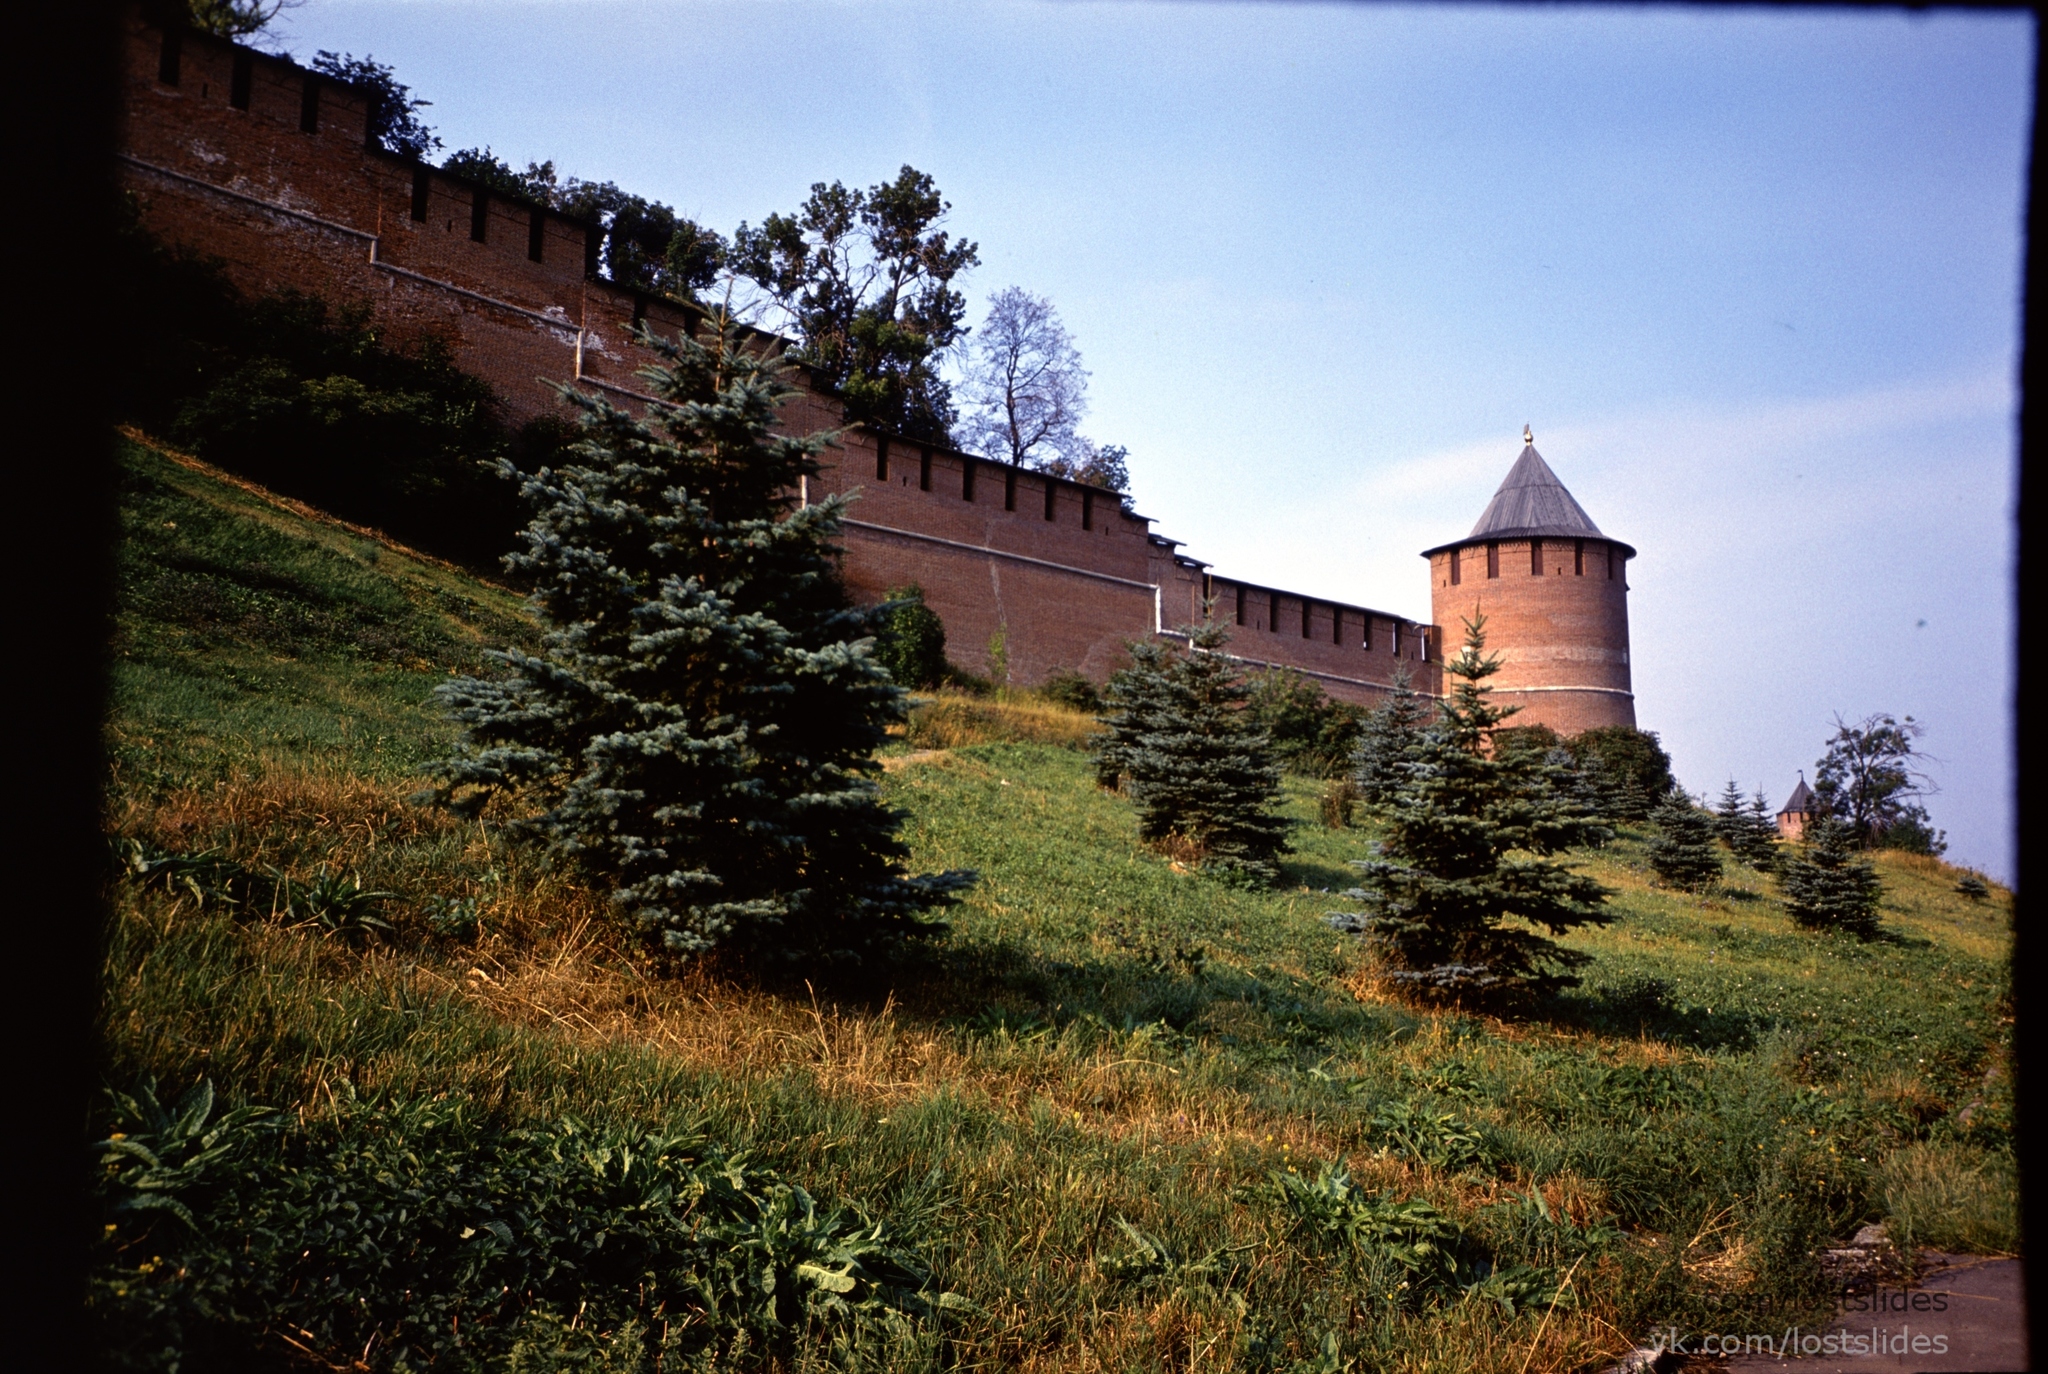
pixel 265 165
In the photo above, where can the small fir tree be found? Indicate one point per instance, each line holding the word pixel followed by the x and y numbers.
pixel 1200 768
pixel 699 729
pixel 1387 735
pixel 1449 876
pixel 1731 817
pixel 1973 887
pixel 1828 887
pixel 1135 701
pixel 911 641
pixel 1682 853
pixel 1757 842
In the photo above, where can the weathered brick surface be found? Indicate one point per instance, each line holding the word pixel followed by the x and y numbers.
pixel 1066 584
pixel 1562 634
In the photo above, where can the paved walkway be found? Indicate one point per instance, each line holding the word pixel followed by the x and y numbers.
pixel 1967 1317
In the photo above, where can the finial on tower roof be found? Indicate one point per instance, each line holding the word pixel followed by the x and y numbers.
pixel 1527 437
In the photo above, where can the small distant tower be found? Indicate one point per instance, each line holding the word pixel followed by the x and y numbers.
pixel 1554 591
pixel 1797 812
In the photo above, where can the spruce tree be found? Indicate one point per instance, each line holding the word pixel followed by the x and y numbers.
pixel 1200 768
pixel 1731 819
pixel 1386 737
pixel 1758 846
pixel 1449 876
pixel 1827 887
pixel 698 731
pixel 1682 852
pixel 1135 701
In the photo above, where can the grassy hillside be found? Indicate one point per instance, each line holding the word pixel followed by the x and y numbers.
pixel 1128 1117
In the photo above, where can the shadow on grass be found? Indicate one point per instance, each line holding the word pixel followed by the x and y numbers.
pixel 1137 985
pixel 1643 1006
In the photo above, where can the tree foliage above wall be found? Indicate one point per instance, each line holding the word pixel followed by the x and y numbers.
pixel 864 278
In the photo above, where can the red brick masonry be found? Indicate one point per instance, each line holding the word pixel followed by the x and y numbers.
pixel 265 165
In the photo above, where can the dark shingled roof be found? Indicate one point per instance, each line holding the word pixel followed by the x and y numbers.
pixel 1801 800
pixel 1531 501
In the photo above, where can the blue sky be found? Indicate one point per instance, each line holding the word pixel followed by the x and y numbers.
pixel 1752 276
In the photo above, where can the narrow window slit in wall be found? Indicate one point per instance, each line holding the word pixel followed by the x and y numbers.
pixel 924 469
pixel 1535 558
pixel 967 467
pixel 1240 605
pixel 536 234
pixel 1610 562
pixel 593 241
pixel 1273 614
pixel 881 458
pixel 1010 487
pixel 1492 561
pixel 169 56
pixel 1365 640
pixel 1305 611
pixel 422 186
pixel 240 79
pixel 480 225
pixel 1087 509
pixel 1336 625
pixel 309 104
pixel 1578 558
pixel 1052 489
pixel 1457 572
pixel 371 106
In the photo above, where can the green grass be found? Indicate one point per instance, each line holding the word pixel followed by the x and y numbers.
pixel 1103 1041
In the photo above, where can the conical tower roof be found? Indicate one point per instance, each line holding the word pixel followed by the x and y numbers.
pixel 1532 504
pixel 1801 800
pixel 1531 501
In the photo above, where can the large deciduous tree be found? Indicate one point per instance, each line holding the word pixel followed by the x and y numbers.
pixel 1870 779
pixel 1027 392
pixel 1465 833
pixel 698 732
pixel 865 281
pixel 1025 385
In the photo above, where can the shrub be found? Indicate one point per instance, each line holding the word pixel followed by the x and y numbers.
pixel 313 403
pixel 911 640
pixel 1973 887
pixel 1682 852
pixel 1630 770
pixel 1828 887
pixel 1311 734
pixel 1199 766
pixel 1072 690
pixel 699 729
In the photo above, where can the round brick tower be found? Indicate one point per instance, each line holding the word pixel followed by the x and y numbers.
pixel 1554 591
